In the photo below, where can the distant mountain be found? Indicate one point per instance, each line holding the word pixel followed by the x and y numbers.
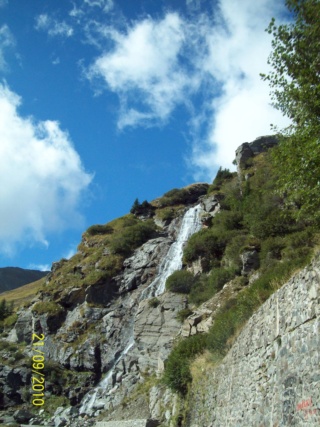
pixel 14 277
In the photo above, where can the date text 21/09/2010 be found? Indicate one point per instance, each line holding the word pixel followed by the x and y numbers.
pixel 38 378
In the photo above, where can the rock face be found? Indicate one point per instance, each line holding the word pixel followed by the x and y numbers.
pixel 247 150
pixel 155 329
pixel 250 261
pixel 107 336
pixel 271 375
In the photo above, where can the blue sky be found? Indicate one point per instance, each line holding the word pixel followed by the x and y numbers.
pixel 103 101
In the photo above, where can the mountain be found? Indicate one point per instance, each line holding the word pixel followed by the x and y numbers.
pixel 13 277
pixel 198 308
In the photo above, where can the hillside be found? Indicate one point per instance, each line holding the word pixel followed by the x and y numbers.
pixel 14 277
pixel 155 298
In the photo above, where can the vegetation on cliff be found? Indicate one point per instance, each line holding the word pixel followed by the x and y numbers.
pixel 295 90
pixel 253 222
pixel 275 211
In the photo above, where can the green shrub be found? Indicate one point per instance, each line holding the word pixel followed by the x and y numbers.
pixel 167 214
pixel 6 309
pixel 180 281
pixel 132 237
pixel 99 229
pixel 154 302
pixel 47 307
pixel 207 243
pixel 228 220
pixel 10 320
pixel 183 314
pixel 231 257
pixel 237 311
pixel 6 345
pixel 222 176
pixel 208 285
pixel 175 196
pixel 177 373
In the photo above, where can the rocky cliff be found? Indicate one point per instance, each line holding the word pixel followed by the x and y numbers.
pixel 112 330
pixel 104 336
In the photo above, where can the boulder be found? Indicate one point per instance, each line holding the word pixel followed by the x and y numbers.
pixel 23 327
pixel 250 261
pixel 22 416
pixel 248 150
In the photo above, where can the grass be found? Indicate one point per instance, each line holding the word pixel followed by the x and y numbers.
pixel 24 294
pixel 47 307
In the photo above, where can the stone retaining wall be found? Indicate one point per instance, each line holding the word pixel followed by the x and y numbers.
pixel 271 376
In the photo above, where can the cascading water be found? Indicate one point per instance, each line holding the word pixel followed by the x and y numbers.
pixel 90 398
pixel 171 262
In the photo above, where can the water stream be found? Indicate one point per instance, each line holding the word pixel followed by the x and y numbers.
pixel 171 262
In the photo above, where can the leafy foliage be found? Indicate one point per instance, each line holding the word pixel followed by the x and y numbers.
pixel 99 229
pixel 6 309
pixel 180 281
pixel 177 374
pixel 154 302
pixel 132 237
pixel 295 79
pixel 141 208
pixel 220 178
pixel 175 196
pixel 295 85
pixel 207 243
pixel 207 286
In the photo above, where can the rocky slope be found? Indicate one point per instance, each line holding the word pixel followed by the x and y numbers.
pixel 103 336
pixel 111 329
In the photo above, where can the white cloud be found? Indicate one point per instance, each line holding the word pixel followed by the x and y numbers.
pixel 42 177
pixel 56 61
pixel 105 5
pixel 238 48
pixel 3 3
pixel 40 267
pixel 144 69
pixel 210 64
pixel 6 41
pixel 53 27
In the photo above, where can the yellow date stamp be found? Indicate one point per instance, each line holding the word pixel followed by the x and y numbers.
pixel 38 378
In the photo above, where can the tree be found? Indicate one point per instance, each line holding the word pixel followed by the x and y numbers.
pixel 135 207
pixel 295 90
pixel 295 59
pixel 5 309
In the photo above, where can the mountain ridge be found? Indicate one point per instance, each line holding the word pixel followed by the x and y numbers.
pixel 14 277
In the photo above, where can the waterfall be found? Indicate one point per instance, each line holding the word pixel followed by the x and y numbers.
pixel 171 262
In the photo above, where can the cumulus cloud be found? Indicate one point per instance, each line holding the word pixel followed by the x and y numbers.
pixel 53 27
pixel 42 177
pixel 143 68
pixel 6 41
pixel 211 64
pixel 238 48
